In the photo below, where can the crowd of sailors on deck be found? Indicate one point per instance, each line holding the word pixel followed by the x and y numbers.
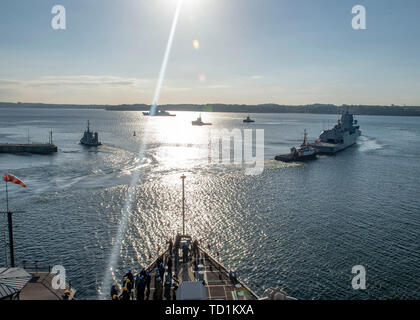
pixel 165 283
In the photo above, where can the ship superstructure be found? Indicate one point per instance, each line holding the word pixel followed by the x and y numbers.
pixel 341 136
pixel 90 138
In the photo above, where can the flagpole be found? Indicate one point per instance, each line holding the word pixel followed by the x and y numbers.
pixel 12 249
pixel 183 205
pixel 7 199
pixel 10 226
pixel 7 178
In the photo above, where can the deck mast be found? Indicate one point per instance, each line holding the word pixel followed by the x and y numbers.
pixel 183 205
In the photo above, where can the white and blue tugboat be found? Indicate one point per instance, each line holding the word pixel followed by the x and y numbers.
pixel 90 138
pixel 305 152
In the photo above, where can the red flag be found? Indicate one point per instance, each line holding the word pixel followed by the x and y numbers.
pixel 11 178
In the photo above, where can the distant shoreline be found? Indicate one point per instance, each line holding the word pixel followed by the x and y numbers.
pixel 413 111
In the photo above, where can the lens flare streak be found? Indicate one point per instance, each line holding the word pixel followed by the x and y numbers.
pixel 109 276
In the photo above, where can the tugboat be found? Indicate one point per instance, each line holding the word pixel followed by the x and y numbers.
pixel 248 120
pixel 343 135
pixel 305 152
pixel 186 271
pixel 90 138
pixel 159 113
pixel 199 122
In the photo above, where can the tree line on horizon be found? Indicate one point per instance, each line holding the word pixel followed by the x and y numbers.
pixel 392 110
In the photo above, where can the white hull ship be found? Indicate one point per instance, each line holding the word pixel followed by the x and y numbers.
pixel 343 135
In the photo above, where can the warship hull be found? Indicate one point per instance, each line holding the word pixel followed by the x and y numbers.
pixel 159 115
pixel 90 144
pixel 331 148
pixel 292 158
pixel 198 123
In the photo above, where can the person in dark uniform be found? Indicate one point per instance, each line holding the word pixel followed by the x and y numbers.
pixel 170 248
pixel 185 251
pixel 125 295
pixel 147 280
pixel 114 291
pixel 129 275
pixel 195 249
pixel 169 264
pixel 157 294
pixel 161 270
pixel 66 295
pixel 141 285
pixel 167 288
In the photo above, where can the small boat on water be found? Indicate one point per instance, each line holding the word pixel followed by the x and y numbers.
pixel 305 152
pixel 159 113
pixel 199 122
pixel 248 120
pixel 90 138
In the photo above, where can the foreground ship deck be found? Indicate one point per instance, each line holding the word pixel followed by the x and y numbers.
pixel 24 284
pixel 201 277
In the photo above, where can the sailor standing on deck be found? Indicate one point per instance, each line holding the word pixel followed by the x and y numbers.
pixel 185 251
pixel 170 248
pixel 168 285
pixel 195 249
pixel 169 264
pixel 129 275
pixel 147 281
pixel 157 294
pixel 141 285
pixel 143 272
pixel 125 295
pixel 114 291
pixel 161 270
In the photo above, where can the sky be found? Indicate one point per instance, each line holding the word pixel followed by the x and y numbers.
pixel 224 51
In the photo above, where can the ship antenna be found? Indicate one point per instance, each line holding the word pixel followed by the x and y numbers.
pixel 183 204
pixel 305 142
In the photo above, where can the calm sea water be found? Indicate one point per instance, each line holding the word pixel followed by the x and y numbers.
pixel 302 227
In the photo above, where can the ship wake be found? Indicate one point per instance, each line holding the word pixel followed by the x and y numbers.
pixel 369 144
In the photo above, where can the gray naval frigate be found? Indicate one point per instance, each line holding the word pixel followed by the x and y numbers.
pixel 343 135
